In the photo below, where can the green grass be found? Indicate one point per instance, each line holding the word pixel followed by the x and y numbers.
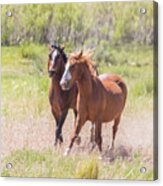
pixel 29 163
pixel 26 59
pixel 27 94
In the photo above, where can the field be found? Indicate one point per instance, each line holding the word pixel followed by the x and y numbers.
pixel 28 126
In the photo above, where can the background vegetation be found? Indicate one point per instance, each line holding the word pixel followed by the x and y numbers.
pixel 78 24
pixel 122 40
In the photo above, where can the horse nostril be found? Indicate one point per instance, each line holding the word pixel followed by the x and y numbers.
pixel 64 85
pixel 50 73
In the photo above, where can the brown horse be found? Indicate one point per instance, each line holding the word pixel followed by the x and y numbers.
pixel 97 101
pixel 60 100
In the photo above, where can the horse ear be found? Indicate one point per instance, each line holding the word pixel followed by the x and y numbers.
pixel 62 47
pixel 80 54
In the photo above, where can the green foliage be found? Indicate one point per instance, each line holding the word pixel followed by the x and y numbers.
pixel 143 88
pixel 104 54
pixel 124 56
pixel 36 54
pixel 28 95
pixel 29 51
pixel 77 23
pixel 26 59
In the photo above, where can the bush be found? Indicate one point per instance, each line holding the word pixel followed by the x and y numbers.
pixel 104 54
pixel 143 88
pixel 37 55
pixel 29 51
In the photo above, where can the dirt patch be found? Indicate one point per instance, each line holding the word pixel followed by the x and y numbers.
pixel 135 134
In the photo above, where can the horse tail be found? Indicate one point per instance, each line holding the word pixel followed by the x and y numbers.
pixel 123 87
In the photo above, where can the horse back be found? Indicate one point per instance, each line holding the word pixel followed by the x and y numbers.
pixel 114 84
pixel 114 95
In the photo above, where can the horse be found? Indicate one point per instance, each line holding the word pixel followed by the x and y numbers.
pixel 61 101
pixel 98 100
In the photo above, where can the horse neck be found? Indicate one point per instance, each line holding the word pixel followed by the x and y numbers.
pixel 85 84
pixel 57 77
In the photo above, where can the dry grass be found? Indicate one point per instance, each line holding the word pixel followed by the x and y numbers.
pixel 39 135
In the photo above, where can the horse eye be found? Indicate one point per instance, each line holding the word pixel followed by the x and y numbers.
pixel 72 67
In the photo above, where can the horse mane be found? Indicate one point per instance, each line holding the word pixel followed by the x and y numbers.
pixel 86 58
pixel 64 56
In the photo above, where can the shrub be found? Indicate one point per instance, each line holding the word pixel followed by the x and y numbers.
pixel 29 51
pixel 37 55
pixel 143 88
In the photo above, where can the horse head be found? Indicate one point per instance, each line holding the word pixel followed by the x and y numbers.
pixel 57 60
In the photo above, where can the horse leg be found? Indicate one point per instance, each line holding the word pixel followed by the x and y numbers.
pixel 75 114
pixel 92 138
pixel 98 138
pixel 78 139
pixel 78 126
pixel 115 128
pixel 60 125
pixel 92 130
pixel 56 117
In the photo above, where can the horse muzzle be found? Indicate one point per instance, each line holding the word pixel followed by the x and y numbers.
pixel 65 85
pixel 51 72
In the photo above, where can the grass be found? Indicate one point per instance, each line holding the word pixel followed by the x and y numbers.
pixel 29 163
pixel 26 93
pixel 26 59
pixel 25 108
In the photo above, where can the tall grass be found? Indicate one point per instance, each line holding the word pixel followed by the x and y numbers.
pixel 87 169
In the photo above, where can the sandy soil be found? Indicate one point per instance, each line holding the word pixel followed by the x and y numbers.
pixel 135 133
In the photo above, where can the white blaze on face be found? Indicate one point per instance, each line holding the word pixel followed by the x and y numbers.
pixel 54 55
pixel 66 75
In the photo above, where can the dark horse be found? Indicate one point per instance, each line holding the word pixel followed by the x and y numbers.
pixel 98 100
pixel 60 100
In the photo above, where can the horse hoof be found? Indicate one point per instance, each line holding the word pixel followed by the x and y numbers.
pixel 61 139
pixel 100 157
pixel 78 140
pixel 60 142
pixel 110 147
pixel 111 151
pixel 93 145
pixel 55 144
pixel 67 151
